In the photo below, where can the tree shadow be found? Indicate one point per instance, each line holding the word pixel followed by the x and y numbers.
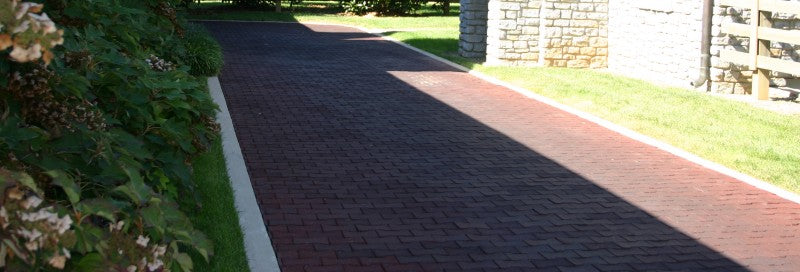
pixel 356 167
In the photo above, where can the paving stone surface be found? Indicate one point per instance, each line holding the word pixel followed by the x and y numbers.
pixel 367 156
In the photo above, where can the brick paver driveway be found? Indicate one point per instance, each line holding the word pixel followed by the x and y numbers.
pixel 366 156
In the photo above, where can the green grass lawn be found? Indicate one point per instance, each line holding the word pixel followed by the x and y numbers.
pixel 218 217
pixel 757 142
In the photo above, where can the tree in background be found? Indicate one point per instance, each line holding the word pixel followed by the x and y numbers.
pixel 381 7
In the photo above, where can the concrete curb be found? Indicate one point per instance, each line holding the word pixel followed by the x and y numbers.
pixel 260 254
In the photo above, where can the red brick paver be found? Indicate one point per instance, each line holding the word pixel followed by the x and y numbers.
pixel 366 156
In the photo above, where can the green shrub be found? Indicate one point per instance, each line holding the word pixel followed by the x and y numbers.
pixel 97 137
pixel 382 7
pixel 203 53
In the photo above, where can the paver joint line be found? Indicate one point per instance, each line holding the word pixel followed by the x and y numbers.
pixel 366 156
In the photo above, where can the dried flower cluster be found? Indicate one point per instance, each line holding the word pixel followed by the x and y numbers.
pixel 165 9
pixel 29 33
pixel 43 108
pixel 77 59
pixel 139 254
pixel 33 232
pixel 211 123
pixel 159 64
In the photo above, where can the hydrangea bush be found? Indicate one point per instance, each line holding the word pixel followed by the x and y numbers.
pixel 100 119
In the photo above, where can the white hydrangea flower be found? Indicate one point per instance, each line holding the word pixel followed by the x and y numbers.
pixel 117 226
pixel 43 214
pixel 156 264
pixel 142 241
pixel 24 8
pixel 33 238
pixel 66 252
pixel 31 202
pixel 63 224
pixel 20 54
pixel 159 251
pixel 22 27
pixel 58 261
pixel 44 22
pixel 30 235
pixel 4 215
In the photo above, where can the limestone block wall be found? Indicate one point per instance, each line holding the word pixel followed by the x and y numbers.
pixel 564 33
pixel 658 40
pixel 472 38
pixel 512 35
pixel 574 33
pixel 654 40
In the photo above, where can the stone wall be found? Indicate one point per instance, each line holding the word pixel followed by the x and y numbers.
pixel 658 40
pixel 574 33
pixel 654 40
pixel 564 33
pixel 512 35
pixel 731 78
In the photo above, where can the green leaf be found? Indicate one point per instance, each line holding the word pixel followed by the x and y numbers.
pixel 66 183
pixel 91 262
pixel 88 237
pixel 13 246
pixel 184 261
pixel 9 177
pixel 135 189
pixel 202 244
pixel 3 253
pixel 130 144
pixel 102 207
pixel 153 216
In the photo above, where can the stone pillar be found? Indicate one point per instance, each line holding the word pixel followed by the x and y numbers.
pixel 472 38
pixel 513 32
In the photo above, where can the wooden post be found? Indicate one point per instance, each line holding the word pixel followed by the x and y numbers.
pixel 760 87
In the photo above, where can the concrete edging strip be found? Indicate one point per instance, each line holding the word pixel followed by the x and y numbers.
pixel 760 184
pixel 260 254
